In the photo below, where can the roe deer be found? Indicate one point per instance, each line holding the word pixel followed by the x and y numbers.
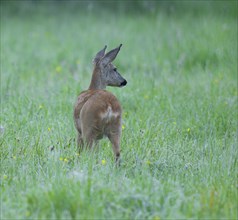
pixel 97 112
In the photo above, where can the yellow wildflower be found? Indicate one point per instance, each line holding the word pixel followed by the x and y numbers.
pixel 61 158
pixel 49 129
pixel 148 162
pixel 58 69
pixel 103 162
pixel 123 127
pixel 66 160
pixel 5 177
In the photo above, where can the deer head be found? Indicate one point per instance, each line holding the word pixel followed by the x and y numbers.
pixel 105 73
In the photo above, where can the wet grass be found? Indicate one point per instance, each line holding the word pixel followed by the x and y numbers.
pixel 179 143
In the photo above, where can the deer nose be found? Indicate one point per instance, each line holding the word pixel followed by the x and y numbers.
pixel 124 83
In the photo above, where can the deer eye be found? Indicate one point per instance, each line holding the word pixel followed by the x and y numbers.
pixel 115 69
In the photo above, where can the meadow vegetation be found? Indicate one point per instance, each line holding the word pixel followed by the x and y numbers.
pixel 179 141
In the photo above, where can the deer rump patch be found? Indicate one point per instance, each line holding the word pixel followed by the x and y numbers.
pixel 100 112
pixel 109 115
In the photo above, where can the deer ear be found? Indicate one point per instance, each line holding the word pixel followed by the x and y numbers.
pixel 99 55
pixel 110 56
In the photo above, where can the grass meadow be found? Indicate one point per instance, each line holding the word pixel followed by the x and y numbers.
pixel 179 140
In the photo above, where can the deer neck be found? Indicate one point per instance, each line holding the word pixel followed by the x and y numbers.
pixel 96 81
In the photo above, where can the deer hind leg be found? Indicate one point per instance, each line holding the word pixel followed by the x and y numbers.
pixel 80 143
pixel 114 135
pixel 90 137
pixel 115 140
pixel 79 130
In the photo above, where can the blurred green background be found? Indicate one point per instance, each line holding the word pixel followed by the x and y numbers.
pixel 219 7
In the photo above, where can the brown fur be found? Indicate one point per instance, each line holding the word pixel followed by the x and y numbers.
pixel 97 112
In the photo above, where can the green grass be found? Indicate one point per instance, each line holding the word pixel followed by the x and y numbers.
pixel 179 142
